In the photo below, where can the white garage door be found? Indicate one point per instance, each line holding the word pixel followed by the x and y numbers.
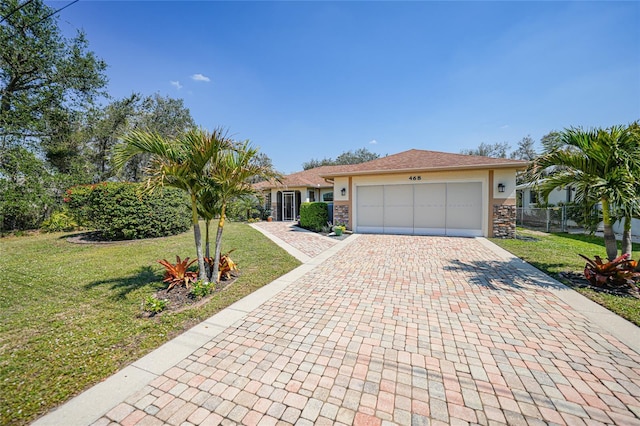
pixel 422 209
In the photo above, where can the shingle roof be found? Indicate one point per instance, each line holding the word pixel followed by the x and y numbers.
pixel 306 178
pixel 422 160
pixel 407 161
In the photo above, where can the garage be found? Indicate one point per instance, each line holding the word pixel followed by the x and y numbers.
pixel 448 208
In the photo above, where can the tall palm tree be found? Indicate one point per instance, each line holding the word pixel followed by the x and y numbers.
pixel 632 209
pixel 231 178
pixel 599 163
pixel 180 162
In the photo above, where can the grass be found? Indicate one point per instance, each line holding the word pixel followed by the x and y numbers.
pixel 69 312
pixel 557 252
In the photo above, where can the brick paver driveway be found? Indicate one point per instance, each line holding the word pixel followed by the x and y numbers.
pixel 405 330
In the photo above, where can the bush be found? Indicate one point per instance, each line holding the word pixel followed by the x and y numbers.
pixel 201 289
pixel 314 216
pixel 243 209
pixel 59 221
pixel 121 211
pixel 587 216
pixel 77 198
pixel 26 194
pixel 154 305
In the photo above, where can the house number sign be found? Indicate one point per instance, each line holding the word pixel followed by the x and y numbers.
pixel 415 177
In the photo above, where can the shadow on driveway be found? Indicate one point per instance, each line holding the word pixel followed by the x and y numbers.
pixel 513 274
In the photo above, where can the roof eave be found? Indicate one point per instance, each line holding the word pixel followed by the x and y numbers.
pixel 517 166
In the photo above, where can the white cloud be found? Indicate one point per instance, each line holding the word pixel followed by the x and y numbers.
pixel 176 84
pixel 373 142
pixel 506 126
pixel 200 77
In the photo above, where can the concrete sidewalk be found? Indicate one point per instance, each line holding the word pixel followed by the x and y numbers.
pixel 381 329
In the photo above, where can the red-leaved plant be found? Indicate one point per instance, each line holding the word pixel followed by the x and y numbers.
pixel 178 274
pixel 619 272
pixel 226 265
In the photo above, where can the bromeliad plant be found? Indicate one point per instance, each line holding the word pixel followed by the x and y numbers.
pixel 226 265
pixel 621 271
pixel 179 274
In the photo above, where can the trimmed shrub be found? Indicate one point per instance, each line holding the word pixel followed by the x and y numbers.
pixel 121 211
pixel 59 221
pixel 77 198
pixel 314 215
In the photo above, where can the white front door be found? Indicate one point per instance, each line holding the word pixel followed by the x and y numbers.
pixel 288 206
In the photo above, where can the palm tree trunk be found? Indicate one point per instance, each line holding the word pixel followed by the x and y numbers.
pixel 206 238
pixel 207 255
pixel 216 260
pixel 626 236
pixel 198 238
pixel 610 242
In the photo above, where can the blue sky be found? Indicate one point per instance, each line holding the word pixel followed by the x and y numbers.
pixel 305 80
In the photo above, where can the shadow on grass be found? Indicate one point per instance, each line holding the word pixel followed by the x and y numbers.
pixel 512 274
pixel 592 239
pixel 125 285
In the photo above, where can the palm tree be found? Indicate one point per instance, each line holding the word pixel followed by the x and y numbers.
pixel 599 163
pixel 180 162
pixel 633 208
pixel 208 209
pixel 231 178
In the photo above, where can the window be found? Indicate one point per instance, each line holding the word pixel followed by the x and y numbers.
pixel 328 196
pixel 312 195
pixel 533 197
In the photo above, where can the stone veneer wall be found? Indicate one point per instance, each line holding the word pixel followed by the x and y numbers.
pixel 341 213
pixel 504 221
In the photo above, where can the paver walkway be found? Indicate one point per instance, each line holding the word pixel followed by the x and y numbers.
pixel 308 243
pixel 403 330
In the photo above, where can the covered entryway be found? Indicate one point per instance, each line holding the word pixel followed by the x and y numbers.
pixel 451 208
pixel 287 205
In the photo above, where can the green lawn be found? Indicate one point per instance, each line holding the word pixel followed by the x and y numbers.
pixel 554 253
pixel 68 312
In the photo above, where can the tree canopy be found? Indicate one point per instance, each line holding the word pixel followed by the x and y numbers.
pixel 44 77
pixel 496 150
pixel 361 155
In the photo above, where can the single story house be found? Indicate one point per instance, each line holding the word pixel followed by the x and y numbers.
pixel 415 192
pixel 529 196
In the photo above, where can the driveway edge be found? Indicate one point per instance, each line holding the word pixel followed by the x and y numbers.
pixel 623 330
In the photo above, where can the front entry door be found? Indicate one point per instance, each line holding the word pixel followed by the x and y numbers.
pixel 288 206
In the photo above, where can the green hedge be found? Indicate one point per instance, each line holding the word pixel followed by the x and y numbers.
pixel 314 216
pixel 121 211
pixel 77 199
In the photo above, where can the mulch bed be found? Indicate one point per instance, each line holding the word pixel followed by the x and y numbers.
pixel 95 237
pixel 180 298
pixel 574 279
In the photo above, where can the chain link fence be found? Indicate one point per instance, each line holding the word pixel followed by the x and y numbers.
pixel 553 219
pixel 549 219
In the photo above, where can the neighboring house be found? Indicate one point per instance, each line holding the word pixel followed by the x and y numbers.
pixel 416 192
pixel 529 196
